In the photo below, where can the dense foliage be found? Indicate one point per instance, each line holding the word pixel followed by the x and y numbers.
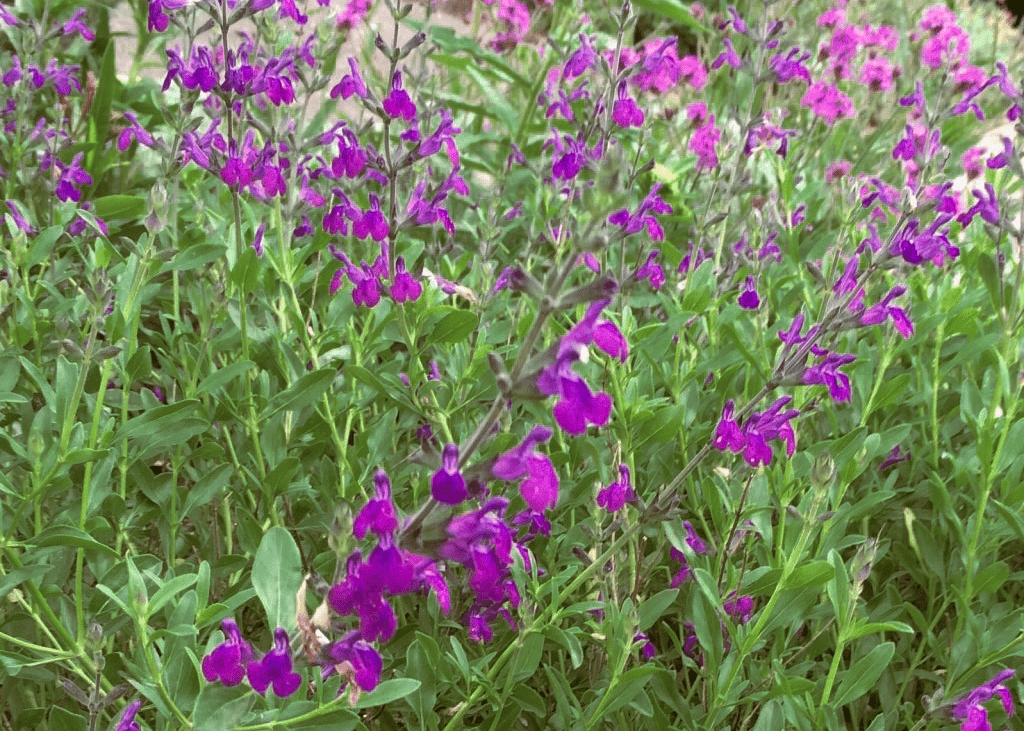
pixel 555 366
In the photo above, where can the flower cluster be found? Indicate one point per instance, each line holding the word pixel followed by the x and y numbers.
pixel 233 661
pixel 578 405
pixel 751 437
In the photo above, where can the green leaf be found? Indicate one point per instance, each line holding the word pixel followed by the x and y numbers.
pixel 527 658
pixel 42 245
pixel 139 365
pixel 223 376
pixel 991 578
pixel 277 576
pixel 862 677
pixel 246 271
pixel 453 327
pixel 195 257
pixel 672 10
pixel 304 392
pixel 26 573
pixel 652 608
pixel 569 641
pixel 169 590
pixel 208 487
pixel 892 391
pixel 986 267
pixel 388 691
pixel 627 687
pixel 863 629
pixel 64 720
pixel 839 588
pixel 219 708
pixel 99 113
pixel 111 207
pixel 66 535
pixel 165 426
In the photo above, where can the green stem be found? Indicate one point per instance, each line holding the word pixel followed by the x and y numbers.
pixel 83 516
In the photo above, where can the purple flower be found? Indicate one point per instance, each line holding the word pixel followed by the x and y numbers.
pixel 643 218
pixel 614 497
pixel 74 24
pixel 372 222
pixel 756 431
pixel 697 545
pixel 447 485
pixel 540 488
pixel 652 270
pixel 748 297
pixel 351 83
pixel 378 515
pixel 579 405
pixel 648 650
pixel 127 721
pixel 227 661
pixel 702 144
pixel 354 659
pixel 826 101
pixel 741 608
pixel 883 310
pixel 72 175
pixel 398 105
pixel 827 373
pixel 275 668
pixel 582 60
pixel 625 112
pixel 728 56
pixel 404 288
pixel 973 716
pixel 894 457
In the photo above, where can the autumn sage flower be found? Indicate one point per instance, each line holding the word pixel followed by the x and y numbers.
pixel 614 497
pixel 752 436
pixel 127 722
pixel 227 663
pixel 973 716
pixel 447 485
pixel 275 669
pixel 540 488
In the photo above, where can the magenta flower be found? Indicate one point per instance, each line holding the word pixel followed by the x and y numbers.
pixel 973 716
pixel 353 659
pixel 581 61
pixel 883 310
pixel 127 720
pixel 72 175
pixel 228 660
pixel 404 288
pixel 741 608
pixel 351 83
pixel 614 497
pixel 372 222
pixel 702 144
pixel 378 515
pixel 697 545
pixel 447 485
pixel 540 488
pixel 625 112
pixel 398 105
pixel 752 437
pixel 748 299
pixel 275 669
pixel 827 102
